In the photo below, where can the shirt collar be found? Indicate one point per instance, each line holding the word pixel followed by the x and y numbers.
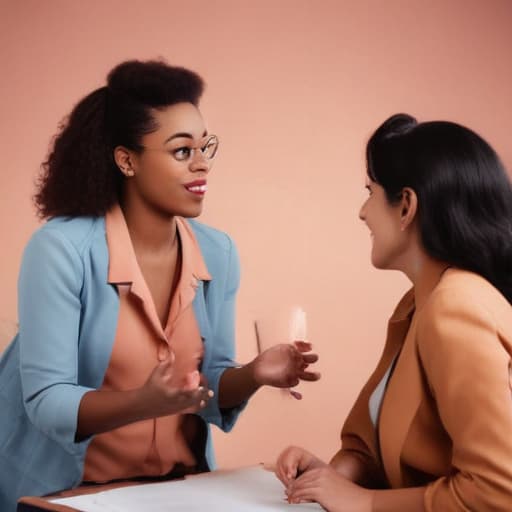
pixel 123 266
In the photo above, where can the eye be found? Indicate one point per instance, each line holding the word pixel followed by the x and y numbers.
pixel 367 187
pixel 182 153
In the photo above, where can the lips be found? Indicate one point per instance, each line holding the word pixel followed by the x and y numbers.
pixel 197 187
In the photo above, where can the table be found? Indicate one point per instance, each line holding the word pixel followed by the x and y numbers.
pixel 250 489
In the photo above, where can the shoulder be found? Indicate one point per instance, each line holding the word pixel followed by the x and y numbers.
pixel 211 238
pixel 464 291
pixel 72 234
pixel 463 308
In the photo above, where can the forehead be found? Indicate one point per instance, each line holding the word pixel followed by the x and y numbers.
pixel 178 118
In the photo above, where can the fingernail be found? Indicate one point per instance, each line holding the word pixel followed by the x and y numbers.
pixel 210 393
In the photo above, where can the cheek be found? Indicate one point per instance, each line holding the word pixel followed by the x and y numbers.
pixel 159 177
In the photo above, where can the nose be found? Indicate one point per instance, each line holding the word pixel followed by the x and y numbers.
pixel 199 162
pixel 362 212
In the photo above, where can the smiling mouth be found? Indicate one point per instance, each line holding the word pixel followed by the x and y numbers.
pixel 197 189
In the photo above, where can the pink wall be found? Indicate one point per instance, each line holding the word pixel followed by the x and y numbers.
pixel 294 89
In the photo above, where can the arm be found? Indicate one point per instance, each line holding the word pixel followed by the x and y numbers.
pixel 281 366
pixel 101 411
pixel 307 478
pixel 337 494
pixel 50 310
pixel 350 466
pixel 467 366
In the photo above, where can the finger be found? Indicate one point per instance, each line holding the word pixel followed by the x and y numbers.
pixel 306 479
pixel 292 382
pixel 309 376
pixel 303 346
pixel 287 465
pixel 192 380
pixel 308 494
pixel 281 474
pixel 197 399
pixel 204 380
pixel 310 358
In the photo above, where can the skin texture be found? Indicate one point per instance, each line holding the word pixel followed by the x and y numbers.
pixel 154 194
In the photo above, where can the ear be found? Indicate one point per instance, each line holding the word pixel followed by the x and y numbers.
pixel 408 208
pixel 124 160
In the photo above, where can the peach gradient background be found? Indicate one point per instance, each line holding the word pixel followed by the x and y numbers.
pixel 295 87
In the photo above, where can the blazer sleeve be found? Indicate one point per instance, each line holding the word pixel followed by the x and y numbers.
pixel 223 346
pixel 49 315
pixel 467 369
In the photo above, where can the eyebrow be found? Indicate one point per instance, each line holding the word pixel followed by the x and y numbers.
pixel 185 135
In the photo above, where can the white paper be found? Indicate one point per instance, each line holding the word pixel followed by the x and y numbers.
pixel 252 489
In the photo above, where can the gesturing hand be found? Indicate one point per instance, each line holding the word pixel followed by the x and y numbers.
pixel 165 397
pixel 328 488
pixel 284 365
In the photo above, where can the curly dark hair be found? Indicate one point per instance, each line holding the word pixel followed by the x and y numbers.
pixel 464 193
pixel 80 176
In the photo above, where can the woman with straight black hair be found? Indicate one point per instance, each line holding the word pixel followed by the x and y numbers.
pixel 432 428
pixel 125 350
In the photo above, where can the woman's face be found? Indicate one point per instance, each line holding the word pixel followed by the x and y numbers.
pixel 383 219
pixel 168 176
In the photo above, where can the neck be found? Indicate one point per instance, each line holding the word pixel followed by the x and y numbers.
pixel 424 273
pixel 151 230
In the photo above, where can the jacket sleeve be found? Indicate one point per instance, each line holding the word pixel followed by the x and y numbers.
pixel 49 316
pixel 223 346
pixel 467 368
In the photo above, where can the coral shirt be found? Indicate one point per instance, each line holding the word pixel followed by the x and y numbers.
pixel 150 447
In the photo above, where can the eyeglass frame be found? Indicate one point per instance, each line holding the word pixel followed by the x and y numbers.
pixel 192 150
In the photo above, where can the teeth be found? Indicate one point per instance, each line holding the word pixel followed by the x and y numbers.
pixel 200 188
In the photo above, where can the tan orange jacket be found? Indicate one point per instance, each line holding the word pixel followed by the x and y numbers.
pixel 446 415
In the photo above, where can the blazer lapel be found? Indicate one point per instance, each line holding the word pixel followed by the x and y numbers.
pixel 401 402
pixel 199 305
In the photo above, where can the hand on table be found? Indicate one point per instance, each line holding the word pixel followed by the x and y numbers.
pixel 332 491
pixel 293 462
pixel 285 365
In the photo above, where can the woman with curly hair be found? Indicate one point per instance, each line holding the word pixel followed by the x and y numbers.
pixel 126 306
pixel 432 428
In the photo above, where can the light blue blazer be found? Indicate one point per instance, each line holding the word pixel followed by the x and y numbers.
pixel 68 319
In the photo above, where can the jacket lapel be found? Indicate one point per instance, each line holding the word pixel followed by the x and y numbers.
pixel 401 402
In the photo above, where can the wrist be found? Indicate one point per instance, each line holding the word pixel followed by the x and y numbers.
pixel 251 374
pixel 142 403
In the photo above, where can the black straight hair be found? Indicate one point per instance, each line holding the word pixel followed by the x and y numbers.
pixel 464 193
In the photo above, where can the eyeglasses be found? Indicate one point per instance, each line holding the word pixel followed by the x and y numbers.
pixel 186 153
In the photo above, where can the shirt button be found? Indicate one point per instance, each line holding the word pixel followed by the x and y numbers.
pixel 163 351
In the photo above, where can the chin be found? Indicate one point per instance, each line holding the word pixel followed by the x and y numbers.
pixel 379 263
pixel 191 213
